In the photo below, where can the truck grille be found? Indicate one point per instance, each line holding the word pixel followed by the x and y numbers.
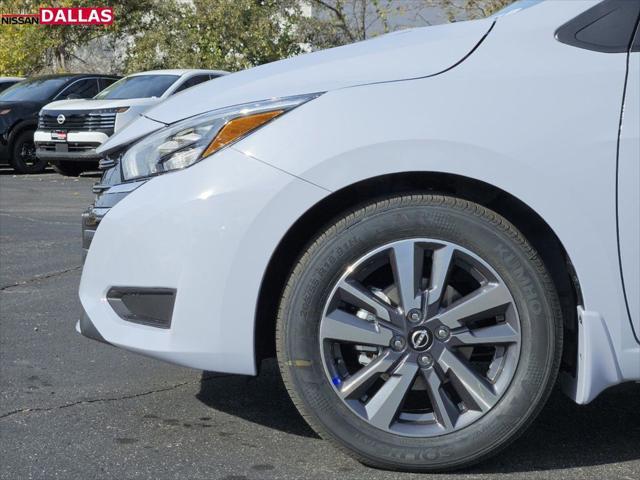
pixel 104 122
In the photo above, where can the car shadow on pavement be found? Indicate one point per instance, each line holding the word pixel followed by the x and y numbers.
pixel 4 170
pixel 263 399
pixel 10 171
pixel 564 435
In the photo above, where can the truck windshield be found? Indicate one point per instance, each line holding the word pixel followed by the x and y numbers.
pixel 137 86
pixel 34 89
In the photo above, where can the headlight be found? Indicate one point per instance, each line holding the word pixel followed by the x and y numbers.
pixel 186 142
pixel 110 110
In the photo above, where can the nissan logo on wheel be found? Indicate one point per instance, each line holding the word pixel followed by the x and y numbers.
pixel 421 339
pixel 60 119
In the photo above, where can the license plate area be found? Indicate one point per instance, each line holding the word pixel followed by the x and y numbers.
pixel 59 135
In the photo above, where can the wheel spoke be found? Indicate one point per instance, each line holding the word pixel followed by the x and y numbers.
pixel 342 326
pixel 356 294
pixel 440 266
pixel 499 334
pixel 476 393
pixel 482 303
pixel 406 263
pixel 357 384
pixel 384 406
pixel 471 317
pixel 444 409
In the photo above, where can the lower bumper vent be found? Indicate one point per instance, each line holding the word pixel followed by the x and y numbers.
pixel 146 306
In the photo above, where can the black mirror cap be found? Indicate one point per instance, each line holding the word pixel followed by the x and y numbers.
pixel 608 27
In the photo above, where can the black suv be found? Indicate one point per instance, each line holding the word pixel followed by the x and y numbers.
pixel 19 107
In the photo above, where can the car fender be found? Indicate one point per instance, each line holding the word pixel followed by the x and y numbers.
pixel 519 126
pixel 18 128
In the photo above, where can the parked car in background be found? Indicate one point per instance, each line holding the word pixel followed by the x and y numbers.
pixel 427 228
pixel 19 107
pixel 69 131
pixel 6 82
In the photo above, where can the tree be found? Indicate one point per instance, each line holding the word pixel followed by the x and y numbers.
pixel 28 49
pixel 22 47
pixel 338 22
pixel 471 9
pixel 225 34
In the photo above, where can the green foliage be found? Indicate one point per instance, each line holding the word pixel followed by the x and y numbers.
pixel 22 47
pixel 28 49
pixel 226 34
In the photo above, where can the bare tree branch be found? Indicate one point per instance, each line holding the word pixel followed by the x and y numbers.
pixel 339 13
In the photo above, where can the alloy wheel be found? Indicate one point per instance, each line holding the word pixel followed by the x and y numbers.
pixel 28 154
pixel 420 337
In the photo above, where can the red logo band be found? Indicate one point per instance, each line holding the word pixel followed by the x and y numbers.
pixel 76 16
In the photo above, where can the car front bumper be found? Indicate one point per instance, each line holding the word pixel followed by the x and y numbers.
pixel 79 146
pixel 207 233
pixel 107 198
pixel 62 154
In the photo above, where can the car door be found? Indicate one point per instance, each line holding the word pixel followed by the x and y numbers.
pixel 629 188
pixel 611 27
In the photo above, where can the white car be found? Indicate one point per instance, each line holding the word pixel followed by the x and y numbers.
pixel 69 131
pixel 6 82
pixel 426 228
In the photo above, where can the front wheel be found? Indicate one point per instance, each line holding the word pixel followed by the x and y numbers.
pixel 420 333
pixel 24 159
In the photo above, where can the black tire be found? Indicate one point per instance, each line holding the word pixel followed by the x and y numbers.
pixel 69 168
pixel 473 227
pixel 23 157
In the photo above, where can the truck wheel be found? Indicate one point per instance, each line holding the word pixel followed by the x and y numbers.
pixel 23 158
pixel 420 332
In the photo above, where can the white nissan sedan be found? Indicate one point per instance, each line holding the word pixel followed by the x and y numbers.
pixel 429 229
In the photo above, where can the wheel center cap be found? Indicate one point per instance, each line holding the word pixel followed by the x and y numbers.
pixel 420 339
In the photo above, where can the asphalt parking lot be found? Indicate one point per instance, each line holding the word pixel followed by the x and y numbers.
pixel 73 408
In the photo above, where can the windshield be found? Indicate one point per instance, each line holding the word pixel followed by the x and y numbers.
pixel 35 89
pixel 138 86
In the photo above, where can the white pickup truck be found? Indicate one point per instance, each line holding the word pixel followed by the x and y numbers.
pixel 69 131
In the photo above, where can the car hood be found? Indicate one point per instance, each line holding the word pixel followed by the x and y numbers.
pixel 92 104
pixel 401 55
pixel 21 105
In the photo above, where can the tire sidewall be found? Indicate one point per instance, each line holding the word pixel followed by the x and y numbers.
pixel 16 160
pixel 479 231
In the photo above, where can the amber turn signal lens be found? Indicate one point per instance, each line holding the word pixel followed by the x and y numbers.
pixel 237 128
